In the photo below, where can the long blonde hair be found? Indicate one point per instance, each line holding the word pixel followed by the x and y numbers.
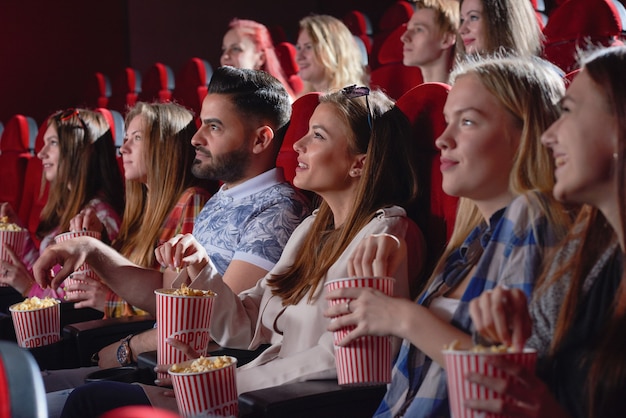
pixel 530 90
pixel 389 178
pixel 337 51
pixel 169 155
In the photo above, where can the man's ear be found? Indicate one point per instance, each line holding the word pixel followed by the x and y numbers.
pixel 264 135
pixel 448 40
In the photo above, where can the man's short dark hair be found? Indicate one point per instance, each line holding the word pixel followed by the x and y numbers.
pixel 256 94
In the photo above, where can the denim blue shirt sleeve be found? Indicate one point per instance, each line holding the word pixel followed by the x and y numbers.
pixel 511 248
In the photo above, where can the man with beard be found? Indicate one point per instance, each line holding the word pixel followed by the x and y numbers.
pixel 243 227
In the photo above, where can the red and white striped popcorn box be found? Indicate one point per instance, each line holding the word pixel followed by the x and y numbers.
pixel 185 318
pixel 460 362
pixel 37 327
pixel 70 281
pixel 367 360
pixel 84 268
pixel 209 393
pixel 16 240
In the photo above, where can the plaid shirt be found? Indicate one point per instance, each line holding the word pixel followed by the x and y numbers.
pixel 510 250
pixel 179 221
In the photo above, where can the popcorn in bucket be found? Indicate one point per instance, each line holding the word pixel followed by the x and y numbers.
pixel 367 360
pixel 184 314
pixel 37 322
pixel 206 386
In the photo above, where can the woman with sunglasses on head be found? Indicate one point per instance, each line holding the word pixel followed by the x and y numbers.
pixel 492 158
pixel 163 197
pixel 79 163
pixel 576 318
pixel 347 158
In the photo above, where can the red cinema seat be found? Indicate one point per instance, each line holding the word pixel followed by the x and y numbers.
pixel 360 26
pixel 423 106
pixel 125 90
pixel 98 90
pixel 118 130
pixel 157 84
pixel 286 54
pixel 577 23
pixel 301 112
pixel 191 83
pixel 17 137
pixel 35 193
pixel 393 17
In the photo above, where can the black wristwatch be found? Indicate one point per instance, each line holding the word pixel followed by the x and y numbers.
pixel 124 353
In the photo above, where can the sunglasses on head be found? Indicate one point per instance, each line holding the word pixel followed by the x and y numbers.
pixel 354 91
pixel 68 114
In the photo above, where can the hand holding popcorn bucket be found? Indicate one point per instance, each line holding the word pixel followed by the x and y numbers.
pixel 206 386
pixel 184 314
pixel 460 362
pixel 37 322
pixel 84 268
pixel 13 236
pixel 367 360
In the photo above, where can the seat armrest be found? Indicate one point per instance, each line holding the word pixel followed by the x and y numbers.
pixel 148 360
pixel 313 398
pixel 88 337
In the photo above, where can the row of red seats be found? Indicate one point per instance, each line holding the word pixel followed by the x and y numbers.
pixel 158 83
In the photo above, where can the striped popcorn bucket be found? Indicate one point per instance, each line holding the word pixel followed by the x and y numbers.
pixel 85 269
pixel 37 327
pixel 210 393
pixel 366 361
pixel 185 318
pixel 459 363
pixel 16 240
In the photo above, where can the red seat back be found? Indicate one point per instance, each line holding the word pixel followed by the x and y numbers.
pixel 116 123
pixel 192 81
pixel 98 90
pixel 394 16
pixel 125 90
pixel 360 26
pixel 17 137
pixel 302 109
pixel 286 54
pixel 423 106
pixel 157 84
pixel 575 23
pixel 33 197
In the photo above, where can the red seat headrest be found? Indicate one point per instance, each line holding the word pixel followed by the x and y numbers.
pixel 395 15
pixel 17 133
pixel 301 112
pixel 423 106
